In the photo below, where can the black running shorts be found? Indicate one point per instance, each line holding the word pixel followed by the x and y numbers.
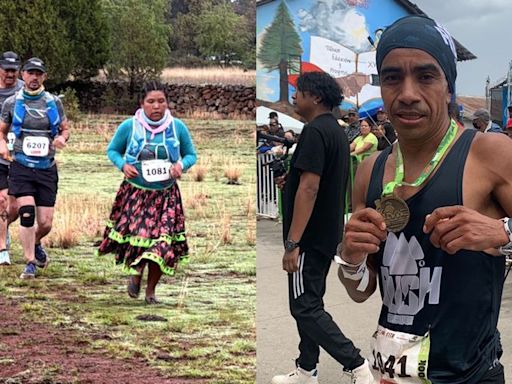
pixel 39 183
pixel 4 174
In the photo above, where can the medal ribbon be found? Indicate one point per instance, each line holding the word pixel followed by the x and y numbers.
pixel 448 138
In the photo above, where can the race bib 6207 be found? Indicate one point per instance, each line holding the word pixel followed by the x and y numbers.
pixel 36 146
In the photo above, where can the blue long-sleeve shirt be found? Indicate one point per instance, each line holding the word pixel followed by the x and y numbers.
pixel 117 146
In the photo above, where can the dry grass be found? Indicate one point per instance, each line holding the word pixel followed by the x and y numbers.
pixel 205 115
pixel 250 234
pixel 225 229
pixel 232 174
pixel 209 75
pixel 198 200
pixel 199 172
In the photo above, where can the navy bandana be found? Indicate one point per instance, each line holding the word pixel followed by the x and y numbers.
pixel 420 32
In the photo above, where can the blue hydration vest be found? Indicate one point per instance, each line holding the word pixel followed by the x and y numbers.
pixel 20 111
pixel 139 149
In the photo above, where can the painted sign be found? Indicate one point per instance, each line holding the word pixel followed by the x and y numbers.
pixel 335 36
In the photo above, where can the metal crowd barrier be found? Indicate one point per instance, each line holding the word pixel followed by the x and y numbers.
pixel 267 199
pixel 268 193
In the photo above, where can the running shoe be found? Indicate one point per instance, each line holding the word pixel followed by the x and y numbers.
pixel 4 257
pixel 361 374
pixel 298 376
pixel 42 258
pixel 29 272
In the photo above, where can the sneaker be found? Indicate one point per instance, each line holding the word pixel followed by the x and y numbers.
pixel 29 272
pixel 42 258
pixel 360 375
pixel 4 257
pixel 298 376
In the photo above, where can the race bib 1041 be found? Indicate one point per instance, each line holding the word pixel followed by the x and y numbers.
pixel 156 170
pixel 38 146
pixel 399 358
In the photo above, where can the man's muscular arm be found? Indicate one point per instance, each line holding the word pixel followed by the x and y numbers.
pixel 487 188
pixel 60 141
pixel 4 129
pixel 302 209
pixel 363 235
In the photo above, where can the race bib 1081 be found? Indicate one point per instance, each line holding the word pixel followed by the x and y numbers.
pixel 38 146
pixel 156 170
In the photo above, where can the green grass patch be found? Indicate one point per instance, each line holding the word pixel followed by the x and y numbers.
pixel 208 307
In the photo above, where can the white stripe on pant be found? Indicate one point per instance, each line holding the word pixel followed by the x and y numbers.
pixel 298 280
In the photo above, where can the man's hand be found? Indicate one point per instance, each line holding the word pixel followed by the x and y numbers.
pixel 4 152
pixel 59 142
pixel 291 260
pixel 364 232
pixel 281 181
pixel 456 227
pixel 176 170
pixel 130 171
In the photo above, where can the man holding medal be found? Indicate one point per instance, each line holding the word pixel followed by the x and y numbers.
pixel 313 198
pixel 430 222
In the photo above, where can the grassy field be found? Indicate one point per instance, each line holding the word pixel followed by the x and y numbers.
pixel 205 326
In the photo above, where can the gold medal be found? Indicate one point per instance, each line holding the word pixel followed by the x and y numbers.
pixel 395 211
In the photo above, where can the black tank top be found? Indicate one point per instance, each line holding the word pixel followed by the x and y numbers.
pixel 455 297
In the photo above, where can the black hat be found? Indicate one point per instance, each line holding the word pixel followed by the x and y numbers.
pixel 34 63
pixel 272 114
pixel 10 60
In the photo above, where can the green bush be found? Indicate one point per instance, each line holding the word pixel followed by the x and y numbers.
pixel 71 104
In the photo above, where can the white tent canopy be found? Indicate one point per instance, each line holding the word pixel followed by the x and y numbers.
pixel 286 121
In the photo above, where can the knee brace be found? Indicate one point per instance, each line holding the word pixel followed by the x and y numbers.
pixel 27 215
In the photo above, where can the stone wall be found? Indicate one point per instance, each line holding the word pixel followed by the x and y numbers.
pixel 185 100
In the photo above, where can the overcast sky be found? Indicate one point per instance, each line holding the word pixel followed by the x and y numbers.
pixel 484 27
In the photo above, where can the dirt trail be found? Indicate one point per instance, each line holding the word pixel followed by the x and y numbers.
pixel 33 353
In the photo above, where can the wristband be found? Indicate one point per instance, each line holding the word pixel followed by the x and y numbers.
pixel 506 249
pixel 355 272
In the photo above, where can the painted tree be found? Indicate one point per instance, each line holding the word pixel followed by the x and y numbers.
pixel 279 43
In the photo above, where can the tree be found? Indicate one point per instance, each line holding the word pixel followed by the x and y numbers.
pixel 70 37
pixel 221 33
pixel 87 27
pixel 139 39
pixel 34 28
pixel 279 43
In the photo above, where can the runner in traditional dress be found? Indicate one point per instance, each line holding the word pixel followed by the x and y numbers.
pixel 147 222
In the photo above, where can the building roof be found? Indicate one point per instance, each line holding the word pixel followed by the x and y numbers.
pixel 463 53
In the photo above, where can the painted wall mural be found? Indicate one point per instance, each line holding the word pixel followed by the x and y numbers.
pixel 325 35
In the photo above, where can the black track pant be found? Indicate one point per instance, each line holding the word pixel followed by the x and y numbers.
pixel 316 327
pixel 494 376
